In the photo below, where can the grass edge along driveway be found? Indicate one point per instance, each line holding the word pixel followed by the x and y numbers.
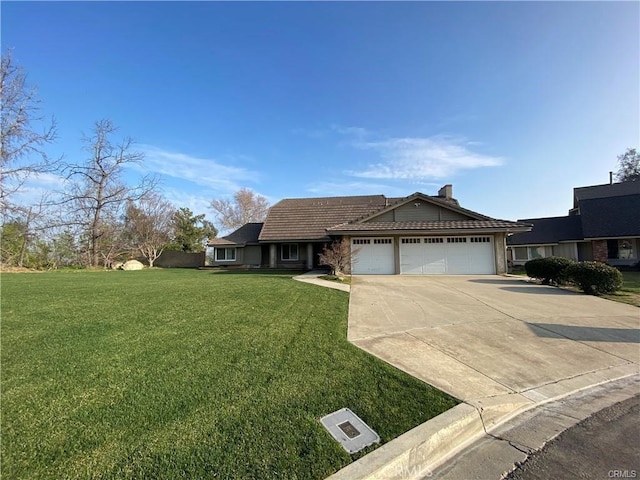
pixel 187 374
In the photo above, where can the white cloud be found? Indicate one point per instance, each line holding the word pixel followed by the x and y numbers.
pixel 420 158
pixel 201 171
pixel 37 187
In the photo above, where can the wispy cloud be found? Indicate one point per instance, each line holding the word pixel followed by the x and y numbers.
pixel 206 172
pixel 416 158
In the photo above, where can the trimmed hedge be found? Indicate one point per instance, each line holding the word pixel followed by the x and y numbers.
pixel 595 278
pixel 549 270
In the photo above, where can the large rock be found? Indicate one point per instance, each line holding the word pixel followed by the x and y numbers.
pixel 132 265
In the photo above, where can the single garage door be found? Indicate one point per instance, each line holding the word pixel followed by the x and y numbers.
pixel 374 256
pixel 447 255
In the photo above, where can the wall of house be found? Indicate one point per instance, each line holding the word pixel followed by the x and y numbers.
pixel 500 252
pixel 417 211
pixel 585 251
pixel 245 256
pixel 600 250
pixel 566 250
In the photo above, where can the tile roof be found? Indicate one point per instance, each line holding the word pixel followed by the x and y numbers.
pixel 548 230
pixel 309 218
pixel 431 226
pixel 245 235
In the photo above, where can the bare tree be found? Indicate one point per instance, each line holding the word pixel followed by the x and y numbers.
pixel 97 192
pixel 338 256
pixel 246 207
pixel 22 152
pixel 149 226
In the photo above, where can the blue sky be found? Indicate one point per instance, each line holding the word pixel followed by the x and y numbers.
pixel 513 103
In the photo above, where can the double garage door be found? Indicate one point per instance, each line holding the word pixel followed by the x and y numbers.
pixel 459 255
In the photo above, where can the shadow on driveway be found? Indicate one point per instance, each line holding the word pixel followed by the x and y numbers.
pixel 586 334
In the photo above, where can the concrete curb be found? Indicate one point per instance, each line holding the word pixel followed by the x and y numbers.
pixel 414 453
pixel 420 451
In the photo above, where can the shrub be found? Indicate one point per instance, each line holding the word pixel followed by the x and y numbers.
pixel 595 278
pixel 550 270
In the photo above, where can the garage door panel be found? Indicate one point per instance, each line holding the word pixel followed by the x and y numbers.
pixel 458 255
pixel 374 256
pixel 411 256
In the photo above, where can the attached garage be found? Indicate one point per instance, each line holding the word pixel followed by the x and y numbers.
pixel 374 256
pixel 453 255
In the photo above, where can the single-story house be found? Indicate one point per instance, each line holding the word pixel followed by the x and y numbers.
pixel 418 234
pixel 603 225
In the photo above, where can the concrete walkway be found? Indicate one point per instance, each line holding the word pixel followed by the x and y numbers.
pixel 313 277
pixel 500 344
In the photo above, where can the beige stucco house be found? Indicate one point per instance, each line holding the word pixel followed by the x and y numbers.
pixel 419 234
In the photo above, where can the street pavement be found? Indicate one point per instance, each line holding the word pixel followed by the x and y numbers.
pixel 604 446
pixel 592 434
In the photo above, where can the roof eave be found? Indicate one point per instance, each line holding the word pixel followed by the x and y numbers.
pixel 439 231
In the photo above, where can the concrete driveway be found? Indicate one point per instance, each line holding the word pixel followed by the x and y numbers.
pixel 498 343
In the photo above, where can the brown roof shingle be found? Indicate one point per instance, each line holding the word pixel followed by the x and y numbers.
pixel 309 218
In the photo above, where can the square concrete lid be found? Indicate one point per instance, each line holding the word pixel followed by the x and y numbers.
pixel 348 429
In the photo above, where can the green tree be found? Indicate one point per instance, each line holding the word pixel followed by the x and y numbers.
pixel 629 163
pixel 191 232
pixel 13 240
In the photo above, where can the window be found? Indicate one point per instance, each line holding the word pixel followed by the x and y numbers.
pixel 620 249
pixel 382 241
pixel 290 251
pixel 536 252
pixel 361 241
pixel 225 254
pixel 528 253
pixel 457 240
pixel 520 253
pixel 480 239
pixel 411 240
pixel 434 240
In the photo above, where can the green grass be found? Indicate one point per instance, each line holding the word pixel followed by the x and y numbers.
pixel 630 291
pixel 186 374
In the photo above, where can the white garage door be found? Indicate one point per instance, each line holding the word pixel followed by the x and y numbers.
pixel 447 255
pixel 374 256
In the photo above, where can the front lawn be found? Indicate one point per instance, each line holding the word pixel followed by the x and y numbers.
pixel 186 374
pixel 630 291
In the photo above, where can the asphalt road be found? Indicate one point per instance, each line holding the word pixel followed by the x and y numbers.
pixel 604 446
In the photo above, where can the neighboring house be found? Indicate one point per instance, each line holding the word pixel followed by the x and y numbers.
pixel 418 234
pixel 603 225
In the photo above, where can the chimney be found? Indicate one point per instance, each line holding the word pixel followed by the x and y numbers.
pixel 446 191
pixel 610 178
